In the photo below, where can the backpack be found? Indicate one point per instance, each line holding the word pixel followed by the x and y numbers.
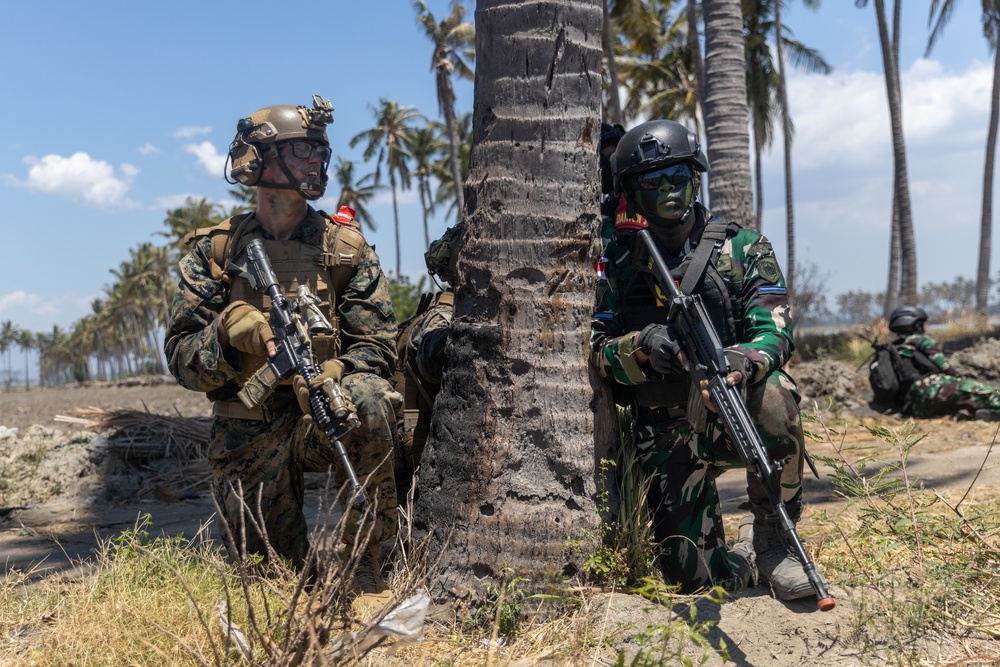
pixel 890 374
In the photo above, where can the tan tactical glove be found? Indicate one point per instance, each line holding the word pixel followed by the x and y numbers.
pixel 246 328
pixel 329 370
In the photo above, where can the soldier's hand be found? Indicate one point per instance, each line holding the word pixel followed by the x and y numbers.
pixel 664 353
pixel 331 370
pixel 740 372
pixel 245 328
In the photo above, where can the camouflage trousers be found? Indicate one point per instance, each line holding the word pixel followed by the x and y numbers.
pixel 940 394
pixel 268 459
pixel 683 467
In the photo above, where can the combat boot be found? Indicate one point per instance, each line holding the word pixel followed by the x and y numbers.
pixel 368 573
pixel 372 591
pixel 742 557
pixel 776 563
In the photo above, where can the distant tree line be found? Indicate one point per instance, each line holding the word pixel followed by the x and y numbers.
pixel 653 67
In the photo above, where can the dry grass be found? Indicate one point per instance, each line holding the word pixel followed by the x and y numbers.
pixel 924 565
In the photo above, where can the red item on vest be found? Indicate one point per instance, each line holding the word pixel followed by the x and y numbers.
pixel 344 216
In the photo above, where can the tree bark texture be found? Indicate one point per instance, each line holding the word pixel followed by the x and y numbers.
pixel 510 472
pixel 725 105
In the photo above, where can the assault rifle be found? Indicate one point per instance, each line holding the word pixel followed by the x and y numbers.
pixel 707 358
pixel 293 325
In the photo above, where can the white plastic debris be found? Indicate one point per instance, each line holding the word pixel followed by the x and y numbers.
pixel 7 432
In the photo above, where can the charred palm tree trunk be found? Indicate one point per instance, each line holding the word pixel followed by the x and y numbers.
pixel 509 471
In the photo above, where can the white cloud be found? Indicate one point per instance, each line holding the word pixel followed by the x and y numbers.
pixel 209 158
pixel 191 131
pixel 79 178
pixel 843 166
pixel 846 113
pixel 19 299
pixel 148 149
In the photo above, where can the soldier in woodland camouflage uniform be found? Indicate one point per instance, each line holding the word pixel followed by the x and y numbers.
pixel 939 390
pixel 219 335
pixel 658 167
pixel 420 347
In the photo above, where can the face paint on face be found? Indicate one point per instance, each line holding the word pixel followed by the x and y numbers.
pixel 667 204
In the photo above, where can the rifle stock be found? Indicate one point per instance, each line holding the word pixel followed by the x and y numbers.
pixel 707 359
pixel 293 356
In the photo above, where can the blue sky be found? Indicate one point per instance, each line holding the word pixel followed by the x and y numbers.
pixel 116 111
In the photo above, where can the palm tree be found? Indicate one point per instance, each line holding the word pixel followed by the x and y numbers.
pixel 8 336
pixel 187 218
pixel 906 289
pixel 26 341
pixel 246 199
pixel 355 192
pixel 762 85
pixel 608 43
pixel 766 96
pixel 387 143
pixel 454 41
pixel 442 168
pixel 425 147
pixel 655 63
pixel 694 47
pixel 991 30
pixel 725 105
pixel 514 430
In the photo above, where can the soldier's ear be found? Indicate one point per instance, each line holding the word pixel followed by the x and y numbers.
pixel 697 183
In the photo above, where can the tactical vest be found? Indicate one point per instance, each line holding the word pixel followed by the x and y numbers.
pixel 326 269
pixel 705 272
pixel 407 381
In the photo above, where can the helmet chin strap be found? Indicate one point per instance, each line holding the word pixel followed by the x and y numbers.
pixel 306 190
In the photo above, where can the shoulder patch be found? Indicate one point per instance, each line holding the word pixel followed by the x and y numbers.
pixel 767 267
pixel 760 248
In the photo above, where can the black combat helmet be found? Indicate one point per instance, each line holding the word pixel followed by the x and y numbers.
pixel 905 317
pixel 656 144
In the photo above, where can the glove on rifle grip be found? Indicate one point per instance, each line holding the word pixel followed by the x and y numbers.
pixel 329 370
pixel 247 328
pixel 659 345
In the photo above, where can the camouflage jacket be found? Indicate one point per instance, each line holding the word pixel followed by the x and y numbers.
pixel 367 322
pixel 762 325
pixel 927 345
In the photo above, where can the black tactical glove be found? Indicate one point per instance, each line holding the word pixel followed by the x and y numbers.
pixel 739 362
pixel 661 348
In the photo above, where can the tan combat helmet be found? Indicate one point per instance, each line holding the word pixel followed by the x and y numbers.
pixel 258 135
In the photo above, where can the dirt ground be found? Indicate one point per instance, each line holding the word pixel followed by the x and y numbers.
pixel 62 490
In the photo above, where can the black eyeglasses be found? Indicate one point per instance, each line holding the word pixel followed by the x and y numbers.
pixel 304 149
pixel 675 174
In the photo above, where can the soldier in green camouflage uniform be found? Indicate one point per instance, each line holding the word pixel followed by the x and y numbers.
pixel 219 334
pixel 420 348
pixel 684 448
pixel 939 390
